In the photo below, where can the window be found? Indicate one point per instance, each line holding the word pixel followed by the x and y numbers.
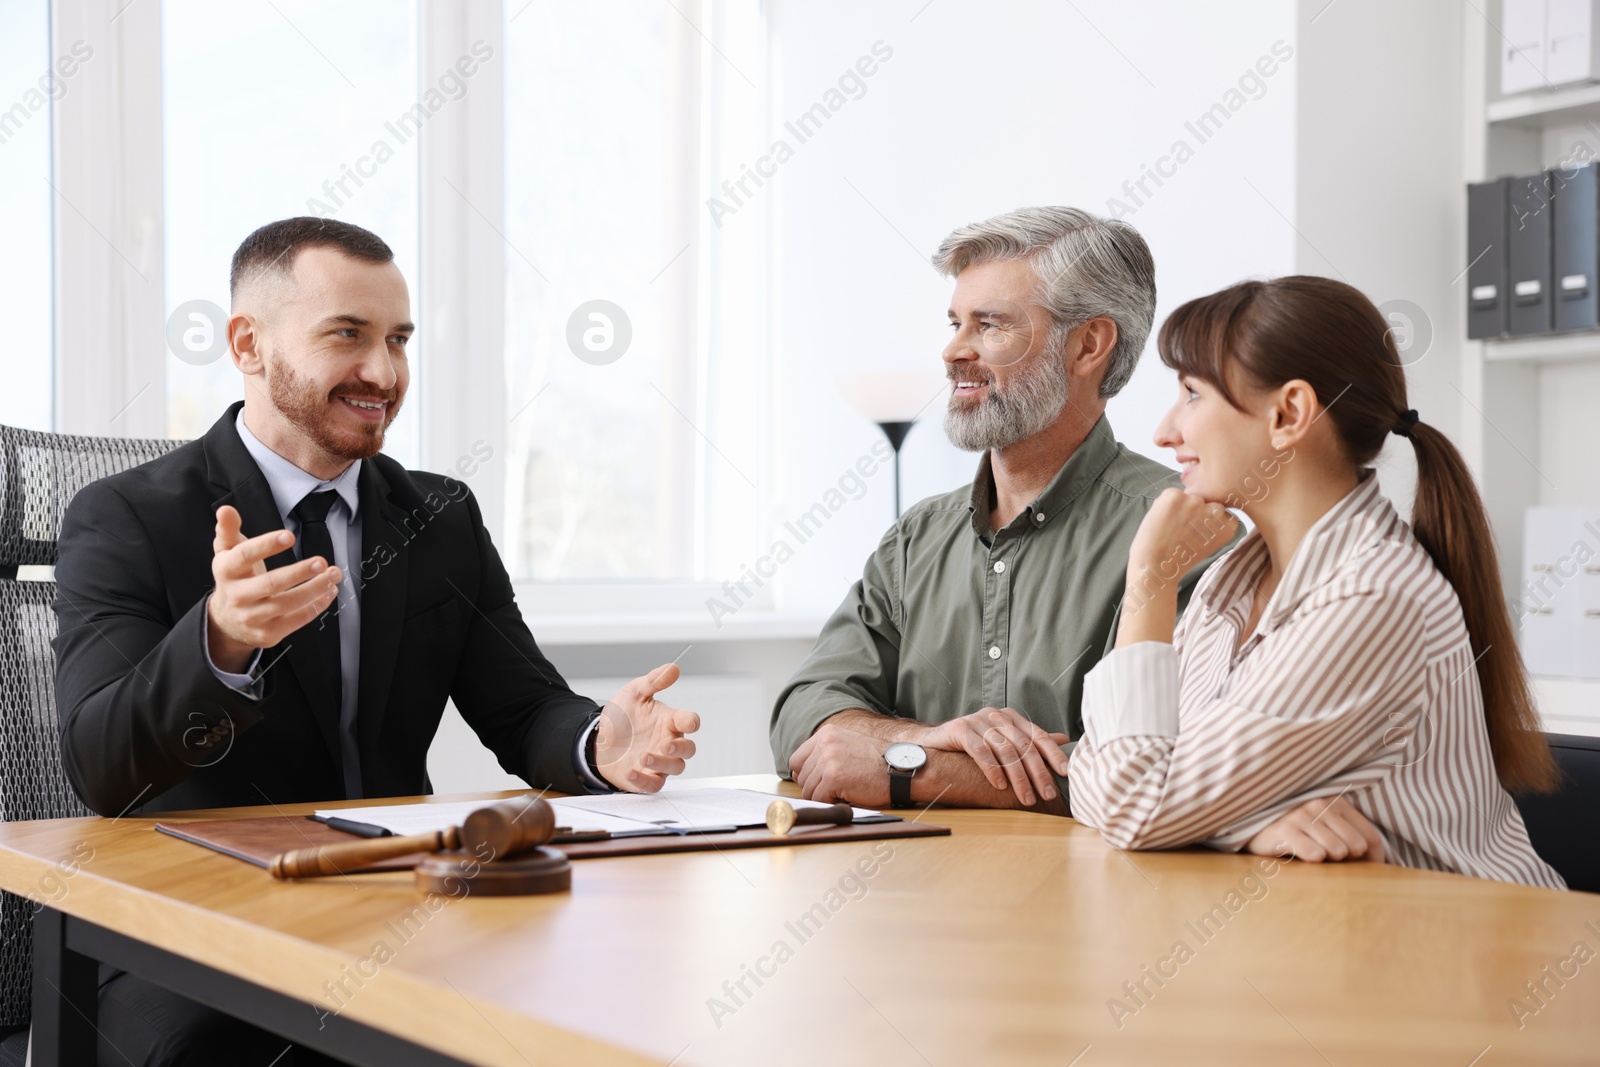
pixel 634 365
pixel 600 314
pixel 317 129
pixel 30 79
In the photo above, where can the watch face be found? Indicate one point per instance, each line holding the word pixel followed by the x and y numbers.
pixel 904 756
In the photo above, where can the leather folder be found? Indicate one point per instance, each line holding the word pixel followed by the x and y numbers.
pixel 258 840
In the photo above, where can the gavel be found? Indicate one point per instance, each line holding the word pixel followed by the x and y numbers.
pixel 509 828
pixel 783 816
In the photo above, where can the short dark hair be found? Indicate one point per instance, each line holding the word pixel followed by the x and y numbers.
pixel 275 245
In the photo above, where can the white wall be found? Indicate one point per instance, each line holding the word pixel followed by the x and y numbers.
pixel 731 684
pixel 981 108
pixel 1347 165
pixel 1379 164
pixel 984 108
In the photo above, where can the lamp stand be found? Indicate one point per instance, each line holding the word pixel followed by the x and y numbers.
pixel 896 433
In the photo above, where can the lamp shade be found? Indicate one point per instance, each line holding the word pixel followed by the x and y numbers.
pixel 894 396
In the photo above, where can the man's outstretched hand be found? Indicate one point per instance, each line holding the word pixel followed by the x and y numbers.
pixel 253 607
pixel 640 740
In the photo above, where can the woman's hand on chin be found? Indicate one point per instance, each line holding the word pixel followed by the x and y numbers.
pixel 1178 532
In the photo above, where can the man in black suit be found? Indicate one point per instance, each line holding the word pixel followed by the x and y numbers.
pixel 278 613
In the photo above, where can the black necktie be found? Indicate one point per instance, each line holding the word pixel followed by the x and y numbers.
pixel 312 515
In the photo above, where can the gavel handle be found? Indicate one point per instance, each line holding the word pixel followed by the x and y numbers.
pixel 833 814
pixel 337 859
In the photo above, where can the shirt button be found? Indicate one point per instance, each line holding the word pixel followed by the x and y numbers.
pixel 994 652
pixel 999 566
pixel 1038 516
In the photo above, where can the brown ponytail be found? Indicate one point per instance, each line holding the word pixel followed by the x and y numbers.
pixel 1449 519
pixel 1329 335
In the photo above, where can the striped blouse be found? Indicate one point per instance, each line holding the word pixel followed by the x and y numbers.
pixel 1358 681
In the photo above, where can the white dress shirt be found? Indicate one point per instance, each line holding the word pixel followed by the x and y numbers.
pixel 290 485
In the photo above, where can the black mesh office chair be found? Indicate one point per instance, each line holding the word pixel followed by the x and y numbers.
pixel 39 474
pixel 1565 826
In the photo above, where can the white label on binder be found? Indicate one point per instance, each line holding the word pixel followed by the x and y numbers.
pixel 1485 292
pixel 1574 281
pixel 1530 288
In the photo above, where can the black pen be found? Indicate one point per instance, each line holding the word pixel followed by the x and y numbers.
pixel 350 826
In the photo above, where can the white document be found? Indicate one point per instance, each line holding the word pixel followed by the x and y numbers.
pixel 691 810
pixel 405 819
pixel 619 814
pixel 580 821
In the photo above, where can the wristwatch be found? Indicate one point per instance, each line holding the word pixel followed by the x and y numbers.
pixel 904 760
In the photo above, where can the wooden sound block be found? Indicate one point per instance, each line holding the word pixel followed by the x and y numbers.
pixel 544 870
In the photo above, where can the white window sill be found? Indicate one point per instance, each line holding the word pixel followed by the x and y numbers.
pixel 634 628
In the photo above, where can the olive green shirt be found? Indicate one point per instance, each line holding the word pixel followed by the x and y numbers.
pixel 950 617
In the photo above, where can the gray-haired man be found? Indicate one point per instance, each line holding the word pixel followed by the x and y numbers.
pixel 954 669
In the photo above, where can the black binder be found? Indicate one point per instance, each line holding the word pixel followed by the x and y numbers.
pixel 1486 256
pixel 1576 243
pixel 1528 226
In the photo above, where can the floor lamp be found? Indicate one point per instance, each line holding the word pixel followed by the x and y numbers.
pixel 893 401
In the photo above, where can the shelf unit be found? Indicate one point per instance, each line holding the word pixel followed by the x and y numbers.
pixel 1568 706
pixel 1536 110
pixel 1527 405
pixel 1554 348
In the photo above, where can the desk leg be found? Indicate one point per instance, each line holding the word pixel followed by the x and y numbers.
pixel 65 996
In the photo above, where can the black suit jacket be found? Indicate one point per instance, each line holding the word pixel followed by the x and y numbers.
pixel 146 725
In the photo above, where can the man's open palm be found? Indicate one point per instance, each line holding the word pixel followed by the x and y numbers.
pixel 641 741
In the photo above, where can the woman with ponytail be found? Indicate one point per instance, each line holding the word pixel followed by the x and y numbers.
pixel 1343 684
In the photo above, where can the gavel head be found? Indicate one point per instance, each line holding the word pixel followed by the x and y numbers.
pixel 508 828
pixel 780 817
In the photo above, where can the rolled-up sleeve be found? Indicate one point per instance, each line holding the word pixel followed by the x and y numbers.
pixel 1134 693
pixel 1162 764
pixel 855 661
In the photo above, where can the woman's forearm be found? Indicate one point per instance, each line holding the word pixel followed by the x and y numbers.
pixel 1149 607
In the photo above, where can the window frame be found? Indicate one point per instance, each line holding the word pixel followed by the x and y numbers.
pixel 106 164
pixel 109 277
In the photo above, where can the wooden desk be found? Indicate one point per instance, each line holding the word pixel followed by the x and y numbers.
pixel 1009 942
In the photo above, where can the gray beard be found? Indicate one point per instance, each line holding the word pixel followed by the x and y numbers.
pixel 1029 405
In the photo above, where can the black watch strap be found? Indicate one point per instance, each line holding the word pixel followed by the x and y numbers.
pixel 900 788
pixel 589 747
